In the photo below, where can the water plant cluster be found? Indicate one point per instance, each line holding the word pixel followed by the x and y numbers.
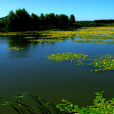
pixel 83 33
pixel 28 104
pixel 15 48
pixel 45 40
pixel 24 33
pixel 103 63
pixel 96 33
pixel 94 41
pixel 86 34
pixel 67 56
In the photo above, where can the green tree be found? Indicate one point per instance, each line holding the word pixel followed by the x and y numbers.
pixel 42 21
pixel 50 18
pixel 2 24
pixel 63 20
pixel 11 21
pixel 72 20
pixel 42 18
pixel 22 20
pixel 35 22
pixel 19 21
pixel 57 21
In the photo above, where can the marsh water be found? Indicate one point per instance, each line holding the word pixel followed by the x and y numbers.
pixel 28 71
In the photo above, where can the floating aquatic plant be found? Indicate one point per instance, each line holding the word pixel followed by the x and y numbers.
pixel 15 48
pixel 59 57
pixel 84 33
pixel 46 40
pixel 92 41
pixel 104 63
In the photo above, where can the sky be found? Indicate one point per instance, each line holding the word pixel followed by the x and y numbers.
pixel 82 9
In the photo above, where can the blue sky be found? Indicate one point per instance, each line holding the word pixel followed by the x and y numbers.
pixel 82 9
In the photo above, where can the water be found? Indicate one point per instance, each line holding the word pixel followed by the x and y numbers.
pixel 29 71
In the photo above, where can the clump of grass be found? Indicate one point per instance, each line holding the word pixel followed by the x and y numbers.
pixel 15 48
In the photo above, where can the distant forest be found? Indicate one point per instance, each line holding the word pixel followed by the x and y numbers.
pixel 20 20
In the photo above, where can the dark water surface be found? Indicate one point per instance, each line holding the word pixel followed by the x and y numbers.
pixel 29 71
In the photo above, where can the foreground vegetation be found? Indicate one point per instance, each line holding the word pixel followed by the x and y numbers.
pixel 26 103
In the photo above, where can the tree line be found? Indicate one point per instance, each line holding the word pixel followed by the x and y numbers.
pixel 20 20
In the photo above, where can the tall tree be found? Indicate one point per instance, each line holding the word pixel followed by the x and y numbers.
pixel 42 18
pixel 11 20
pixel 50 18
pixel 63 20
pixel 72 20
pixel 23 19
pixel 2 24
pixel 42 21
pixel 35 22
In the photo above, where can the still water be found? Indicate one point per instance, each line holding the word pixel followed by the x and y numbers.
pixel 28 71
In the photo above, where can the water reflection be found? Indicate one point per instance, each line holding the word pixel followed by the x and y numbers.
pixel 22 42
pixel 18 41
